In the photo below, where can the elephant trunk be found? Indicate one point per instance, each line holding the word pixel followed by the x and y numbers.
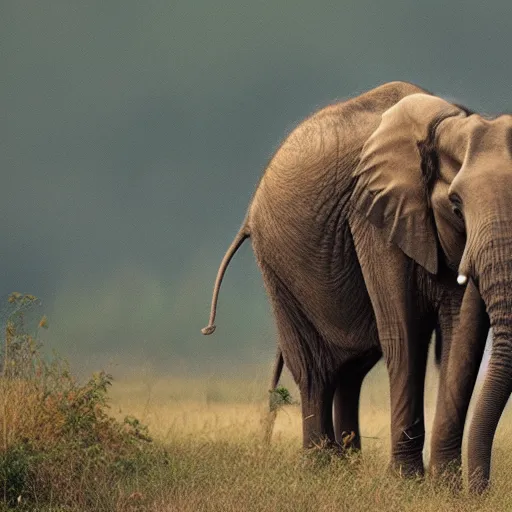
pixel 494 269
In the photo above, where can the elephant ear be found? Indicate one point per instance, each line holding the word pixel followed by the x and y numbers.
pixel 391 189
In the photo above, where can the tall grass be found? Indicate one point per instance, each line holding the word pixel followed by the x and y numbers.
pixel 58 443
pixel 67 445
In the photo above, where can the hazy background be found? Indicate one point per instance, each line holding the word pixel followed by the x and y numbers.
pixel 133 135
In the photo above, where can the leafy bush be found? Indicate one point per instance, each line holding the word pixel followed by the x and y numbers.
pixel 57 438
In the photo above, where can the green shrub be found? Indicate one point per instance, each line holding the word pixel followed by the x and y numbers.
pixel 57 439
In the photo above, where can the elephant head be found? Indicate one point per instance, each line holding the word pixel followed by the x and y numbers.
pixel 437 180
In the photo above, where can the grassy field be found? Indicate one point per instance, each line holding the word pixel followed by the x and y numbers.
pixel 208 453
pixel 144 443
pixel 215 430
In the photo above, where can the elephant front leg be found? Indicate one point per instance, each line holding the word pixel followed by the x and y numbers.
pixel 404 336
pixel 463 346
pixel 406 358
pixel 404 332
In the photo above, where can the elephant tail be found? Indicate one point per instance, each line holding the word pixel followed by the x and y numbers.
pixel 240 237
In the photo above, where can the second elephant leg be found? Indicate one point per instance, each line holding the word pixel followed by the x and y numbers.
pixel 346 401
pixel 346 413
pixel 317 424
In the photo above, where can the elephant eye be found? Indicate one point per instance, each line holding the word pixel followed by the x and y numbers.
pixel 457 211
pixel 456 205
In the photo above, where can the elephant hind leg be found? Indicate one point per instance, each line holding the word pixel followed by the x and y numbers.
pixel 317 424
pixel 346 399
pixel 309 358
pixel 346 413
pixel 302 351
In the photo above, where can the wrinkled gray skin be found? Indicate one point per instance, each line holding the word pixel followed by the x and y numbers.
pixel 359 225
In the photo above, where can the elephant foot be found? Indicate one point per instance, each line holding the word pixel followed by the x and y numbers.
pixel 413 470
pixel 321 454
pixel 447 472
pixel 326 451
pixel 407 452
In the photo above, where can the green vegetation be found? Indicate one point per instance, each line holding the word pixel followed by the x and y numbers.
pixel 58 444
pixel 65 446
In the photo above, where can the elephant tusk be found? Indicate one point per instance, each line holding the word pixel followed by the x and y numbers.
pixel 462 279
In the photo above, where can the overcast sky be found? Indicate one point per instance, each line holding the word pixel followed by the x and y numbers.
pixel 133 135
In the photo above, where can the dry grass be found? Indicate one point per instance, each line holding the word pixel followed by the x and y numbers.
pixel 62 448
pixel 173 408
pixel 210 455
pixel 220 461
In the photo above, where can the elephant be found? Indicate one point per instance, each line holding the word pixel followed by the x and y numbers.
pixel 377 221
